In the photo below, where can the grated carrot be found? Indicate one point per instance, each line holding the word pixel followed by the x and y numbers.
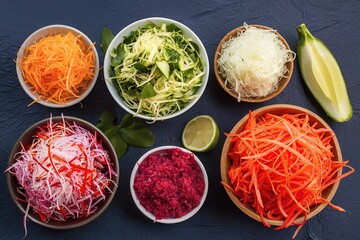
pixel 58 68
pixel 281 165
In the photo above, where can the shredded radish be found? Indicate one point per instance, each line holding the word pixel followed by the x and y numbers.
pixel 253 62
pixel 64 174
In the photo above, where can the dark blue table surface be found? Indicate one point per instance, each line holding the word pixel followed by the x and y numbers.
pixel 336 22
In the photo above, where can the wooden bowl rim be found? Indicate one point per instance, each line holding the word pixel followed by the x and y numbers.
pixel 70 223
pixel 286 108
pixel 283 82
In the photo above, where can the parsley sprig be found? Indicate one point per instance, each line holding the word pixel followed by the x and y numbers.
pixel 130 131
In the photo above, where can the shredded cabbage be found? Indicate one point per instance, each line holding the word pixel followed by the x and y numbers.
pixel 64 174
pixel 253 62
pixel 157 70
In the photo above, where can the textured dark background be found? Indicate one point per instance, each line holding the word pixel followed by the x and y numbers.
pixel 336 22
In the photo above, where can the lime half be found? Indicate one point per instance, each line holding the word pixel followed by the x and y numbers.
pixel 200 134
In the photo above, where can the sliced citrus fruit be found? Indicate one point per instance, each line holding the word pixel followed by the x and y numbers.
pixel 200 134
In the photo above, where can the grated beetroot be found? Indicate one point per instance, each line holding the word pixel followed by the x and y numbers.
pixel 169 184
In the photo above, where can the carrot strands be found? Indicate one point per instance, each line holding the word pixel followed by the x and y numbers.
pixel 58 68
pixel 281 165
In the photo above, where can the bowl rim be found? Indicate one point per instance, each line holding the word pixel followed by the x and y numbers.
pixel 284 81
pixel 10 179
pixel 168 220
pixel 238 127
pixel 133 26
pixel 36 36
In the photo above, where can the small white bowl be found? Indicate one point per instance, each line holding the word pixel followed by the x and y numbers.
pixel 150 215
pixel 119 39
pixel 54 30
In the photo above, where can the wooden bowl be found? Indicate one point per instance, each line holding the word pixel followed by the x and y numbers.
pixel 13 185
pixel 283 82
pixel 278 109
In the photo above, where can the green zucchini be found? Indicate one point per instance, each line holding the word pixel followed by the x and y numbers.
pixel 164 68
pixel 323 76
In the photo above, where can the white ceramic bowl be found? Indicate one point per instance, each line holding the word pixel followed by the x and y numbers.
pixel 150 215
pixel 54 30
pixel 119 39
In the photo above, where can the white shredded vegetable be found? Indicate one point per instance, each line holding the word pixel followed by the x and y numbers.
pixel 64 173
pixel 157 70
pixel 253 62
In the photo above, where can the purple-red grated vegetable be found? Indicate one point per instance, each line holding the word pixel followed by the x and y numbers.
pixel 169 184
pixel 64 174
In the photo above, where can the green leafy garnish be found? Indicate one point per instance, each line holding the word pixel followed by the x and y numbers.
pixel 131 38
pixel 173 28
pixel 106 39
pixel 130 131
pixel 195 46
pixel 173 55
pixel 148 91
pixel 118 56
pixel 141 67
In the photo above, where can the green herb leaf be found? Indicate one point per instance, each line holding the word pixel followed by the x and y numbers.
pixel 117 141
pixel 148 91
pixel 135 133
pixel 106 39
pixel 173 28
pixel 117 56
pixel 130 122
pixel 107 125
pixel 141 67
pixel 131 38
pixel 131 130
pixel 172 54
pixel 106 121
pixel 195 46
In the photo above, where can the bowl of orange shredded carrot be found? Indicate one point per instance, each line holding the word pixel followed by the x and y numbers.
pixel 57 66
pixel 62 173
pixel 281 165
